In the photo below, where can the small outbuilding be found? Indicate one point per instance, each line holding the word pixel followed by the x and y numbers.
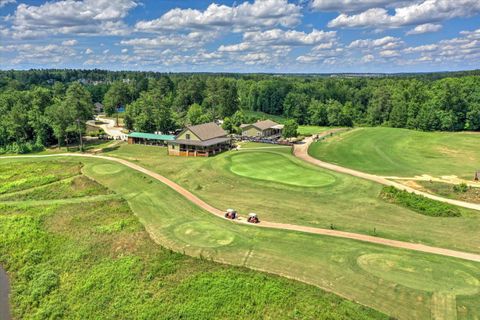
pixel 262 129
pixel 98 108
pixel 149 139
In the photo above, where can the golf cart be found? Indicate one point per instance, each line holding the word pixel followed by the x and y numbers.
pixel 231 214
pixel 253 218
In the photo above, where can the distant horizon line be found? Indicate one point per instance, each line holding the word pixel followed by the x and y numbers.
pixel 243 72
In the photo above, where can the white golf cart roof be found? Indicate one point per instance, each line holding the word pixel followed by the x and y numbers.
pixel 252 215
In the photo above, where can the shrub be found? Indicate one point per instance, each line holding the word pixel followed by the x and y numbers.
pixel 460 188
pixel 419 203
pixel 21 148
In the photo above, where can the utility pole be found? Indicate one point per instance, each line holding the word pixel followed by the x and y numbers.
pixel 80 135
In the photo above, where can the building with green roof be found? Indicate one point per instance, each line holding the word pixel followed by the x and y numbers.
pixel 151 139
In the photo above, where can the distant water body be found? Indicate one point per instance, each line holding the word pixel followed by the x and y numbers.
pixel 4 292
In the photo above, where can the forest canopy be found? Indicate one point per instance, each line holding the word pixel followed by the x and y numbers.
pixel 46 107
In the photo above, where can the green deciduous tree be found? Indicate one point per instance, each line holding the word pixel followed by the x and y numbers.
pixel 290 129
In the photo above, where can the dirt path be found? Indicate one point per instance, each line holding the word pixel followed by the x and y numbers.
pixel 301 151
pixel 4 292
pixel 272 225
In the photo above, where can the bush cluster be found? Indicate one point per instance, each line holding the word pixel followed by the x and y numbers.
pixel 21 148
pixel 460 188
pixel 419 203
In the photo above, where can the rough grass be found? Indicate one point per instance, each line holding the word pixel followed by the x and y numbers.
pixel 14 179
pixel 78 186
pixel 350 204
pixel 447 190
pixel 96 261
pixel 419 203
pixel 402 152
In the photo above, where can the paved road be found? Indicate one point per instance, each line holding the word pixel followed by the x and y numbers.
pixel 109 128
pixel 273 225
pixel 301 151
pixel 4 292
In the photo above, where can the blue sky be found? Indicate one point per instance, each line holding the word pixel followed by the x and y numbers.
pixel 281 36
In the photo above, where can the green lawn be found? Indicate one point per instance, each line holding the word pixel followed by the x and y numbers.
pixel 309 130
pixel 415 285
pixel 349 203
pixel 271 167
pixel 94 260
pixel 402 152
pixel 335 264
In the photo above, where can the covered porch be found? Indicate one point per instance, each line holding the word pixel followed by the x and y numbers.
pixel 198 148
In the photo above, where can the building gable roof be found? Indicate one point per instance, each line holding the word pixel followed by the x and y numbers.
pixel 261 125
pixel 206 131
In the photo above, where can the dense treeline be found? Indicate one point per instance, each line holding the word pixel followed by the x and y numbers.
pixel 43 107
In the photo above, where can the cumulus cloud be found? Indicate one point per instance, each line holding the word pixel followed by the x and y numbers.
pixel 368 58
pixel 180 41
pixel 427 11
pixel 3 3
pixel 465 49
pixel 425 28
pixel 351 5
pixel 71 17
pixel 70 42
pixel 39 54
pixel 387 42
pixel 259 14
pixel 88 51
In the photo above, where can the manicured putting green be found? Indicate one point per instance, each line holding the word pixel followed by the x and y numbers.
pixel 453 278
pixel 275 167
pixel 106 168
pixel 402 152
pixel 203 234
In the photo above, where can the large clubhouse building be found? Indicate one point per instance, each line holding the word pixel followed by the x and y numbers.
pixel 201 140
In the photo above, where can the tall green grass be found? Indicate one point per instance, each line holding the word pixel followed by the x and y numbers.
pixel 419 203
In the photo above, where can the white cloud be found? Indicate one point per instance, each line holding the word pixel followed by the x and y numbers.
pixel 368 58
pixel 389 53
pixel 181 41
pixel 88 51
pixel 3 3
pixel 351 5
pixel 71 17
pixel 290 37
pixel 427 11
pixel 70 42
pixel 384 43
pixel 425 28
pixel 124 50
pixel 259 14
pixel 39 54
pixel 423 48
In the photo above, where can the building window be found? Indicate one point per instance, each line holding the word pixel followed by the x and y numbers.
pixel 187 136
pixel 173 146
